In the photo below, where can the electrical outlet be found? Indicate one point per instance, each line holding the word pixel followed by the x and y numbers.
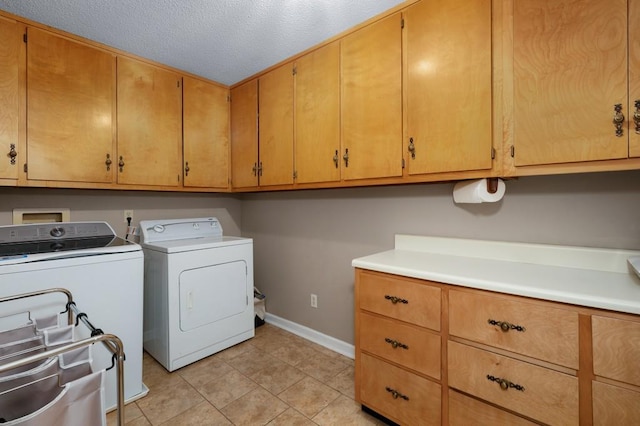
pixel 128 213
pixel 314 301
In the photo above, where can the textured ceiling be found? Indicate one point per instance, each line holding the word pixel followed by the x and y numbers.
pixel 223 40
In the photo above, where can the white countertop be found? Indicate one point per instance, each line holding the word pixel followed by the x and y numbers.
pixel 598 278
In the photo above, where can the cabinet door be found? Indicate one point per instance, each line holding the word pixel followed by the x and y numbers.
pixel 570 70
pixel 317 115
pixel 70 105
pixel 205 134
pixel 275 105
pixel 372 100
pixel 616 349
pixel 244 135
pixel 613 405
pixel 149 124
pixel 448 85
pixel 634 78
pixel 9 99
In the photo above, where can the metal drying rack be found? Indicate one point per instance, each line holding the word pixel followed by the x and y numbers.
pixel 111 341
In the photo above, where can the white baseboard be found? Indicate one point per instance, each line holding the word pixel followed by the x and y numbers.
pixel 329 342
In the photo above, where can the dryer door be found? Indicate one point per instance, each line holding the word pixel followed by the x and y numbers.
pixel 212 293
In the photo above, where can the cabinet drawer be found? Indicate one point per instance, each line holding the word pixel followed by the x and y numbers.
pixel 401 298
pixel 615 406
pixel 410 346
pixel 549 334
pixel 465 411
pixel 548 396
pixel 616 349
pixel 380 380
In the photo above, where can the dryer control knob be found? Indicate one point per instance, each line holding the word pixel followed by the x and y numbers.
pixel 158 228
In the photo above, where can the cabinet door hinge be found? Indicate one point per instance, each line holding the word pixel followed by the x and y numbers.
pixel 403 163
pixel 295 174
pixel 178 83
pixel 228 98
pixel 513 151
pixel 493 153
pixel 402 23
pixel 294 71
pixel 25 167
pixel 24 37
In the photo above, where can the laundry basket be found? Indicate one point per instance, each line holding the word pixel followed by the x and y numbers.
pixel 46 377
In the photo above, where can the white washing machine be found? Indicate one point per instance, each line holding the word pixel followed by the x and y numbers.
pixel 198 290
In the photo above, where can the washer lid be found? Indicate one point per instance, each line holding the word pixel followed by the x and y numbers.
pixel 179 229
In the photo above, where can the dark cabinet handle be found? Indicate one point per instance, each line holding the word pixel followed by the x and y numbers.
pixel 395 299
pixel 12 153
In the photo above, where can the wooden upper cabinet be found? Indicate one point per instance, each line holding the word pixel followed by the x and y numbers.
pixel 149 125
pixel 634 78
pixel 317 115
pixel 570 71
pixel 448 85
pixel 244 135
pixel 70 110
pixel 205 134
pixel 371 61
pixel 275 140
pixel 10 155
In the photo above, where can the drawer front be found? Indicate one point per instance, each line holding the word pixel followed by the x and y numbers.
pixel 465 411
pixel 380 380
pixel 548 396
pixel 616 349
pixel 615 406
pixel 400 298
pixel 409 346
pixel 549 334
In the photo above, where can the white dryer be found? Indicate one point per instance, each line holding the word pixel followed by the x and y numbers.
pixel 198 290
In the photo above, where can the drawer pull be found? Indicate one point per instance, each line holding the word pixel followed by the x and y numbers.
pixel 396 394
pixel 395 344
pixel 505 326
pixel 505 384
pixel 395 299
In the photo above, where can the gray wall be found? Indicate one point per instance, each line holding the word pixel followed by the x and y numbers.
pixel 109 206
pixel 305 240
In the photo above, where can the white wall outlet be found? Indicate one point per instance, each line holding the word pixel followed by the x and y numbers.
pixel 128 213
pixel 314 301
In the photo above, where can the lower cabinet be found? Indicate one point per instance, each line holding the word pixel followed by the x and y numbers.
pixel 465 411
pixel 404 396
pixel 537 392
pixel 487 358
pixel 614 405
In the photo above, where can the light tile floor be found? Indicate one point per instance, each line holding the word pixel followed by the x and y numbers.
pixel 276 379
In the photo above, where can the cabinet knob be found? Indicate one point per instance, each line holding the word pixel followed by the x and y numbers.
pixel 336 159
pixel 186 168
pixel 345 157
pixel 618 119
pixel 108 162
pixel 412 148
pixel 12 153
pixel 506 326
pixel 395 344
pixel 636 115
pixel 396 394
pixel 395 299
pixel 505 384
pixel 121 164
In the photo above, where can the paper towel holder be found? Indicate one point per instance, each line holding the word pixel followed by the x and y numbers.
pixel 492 185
